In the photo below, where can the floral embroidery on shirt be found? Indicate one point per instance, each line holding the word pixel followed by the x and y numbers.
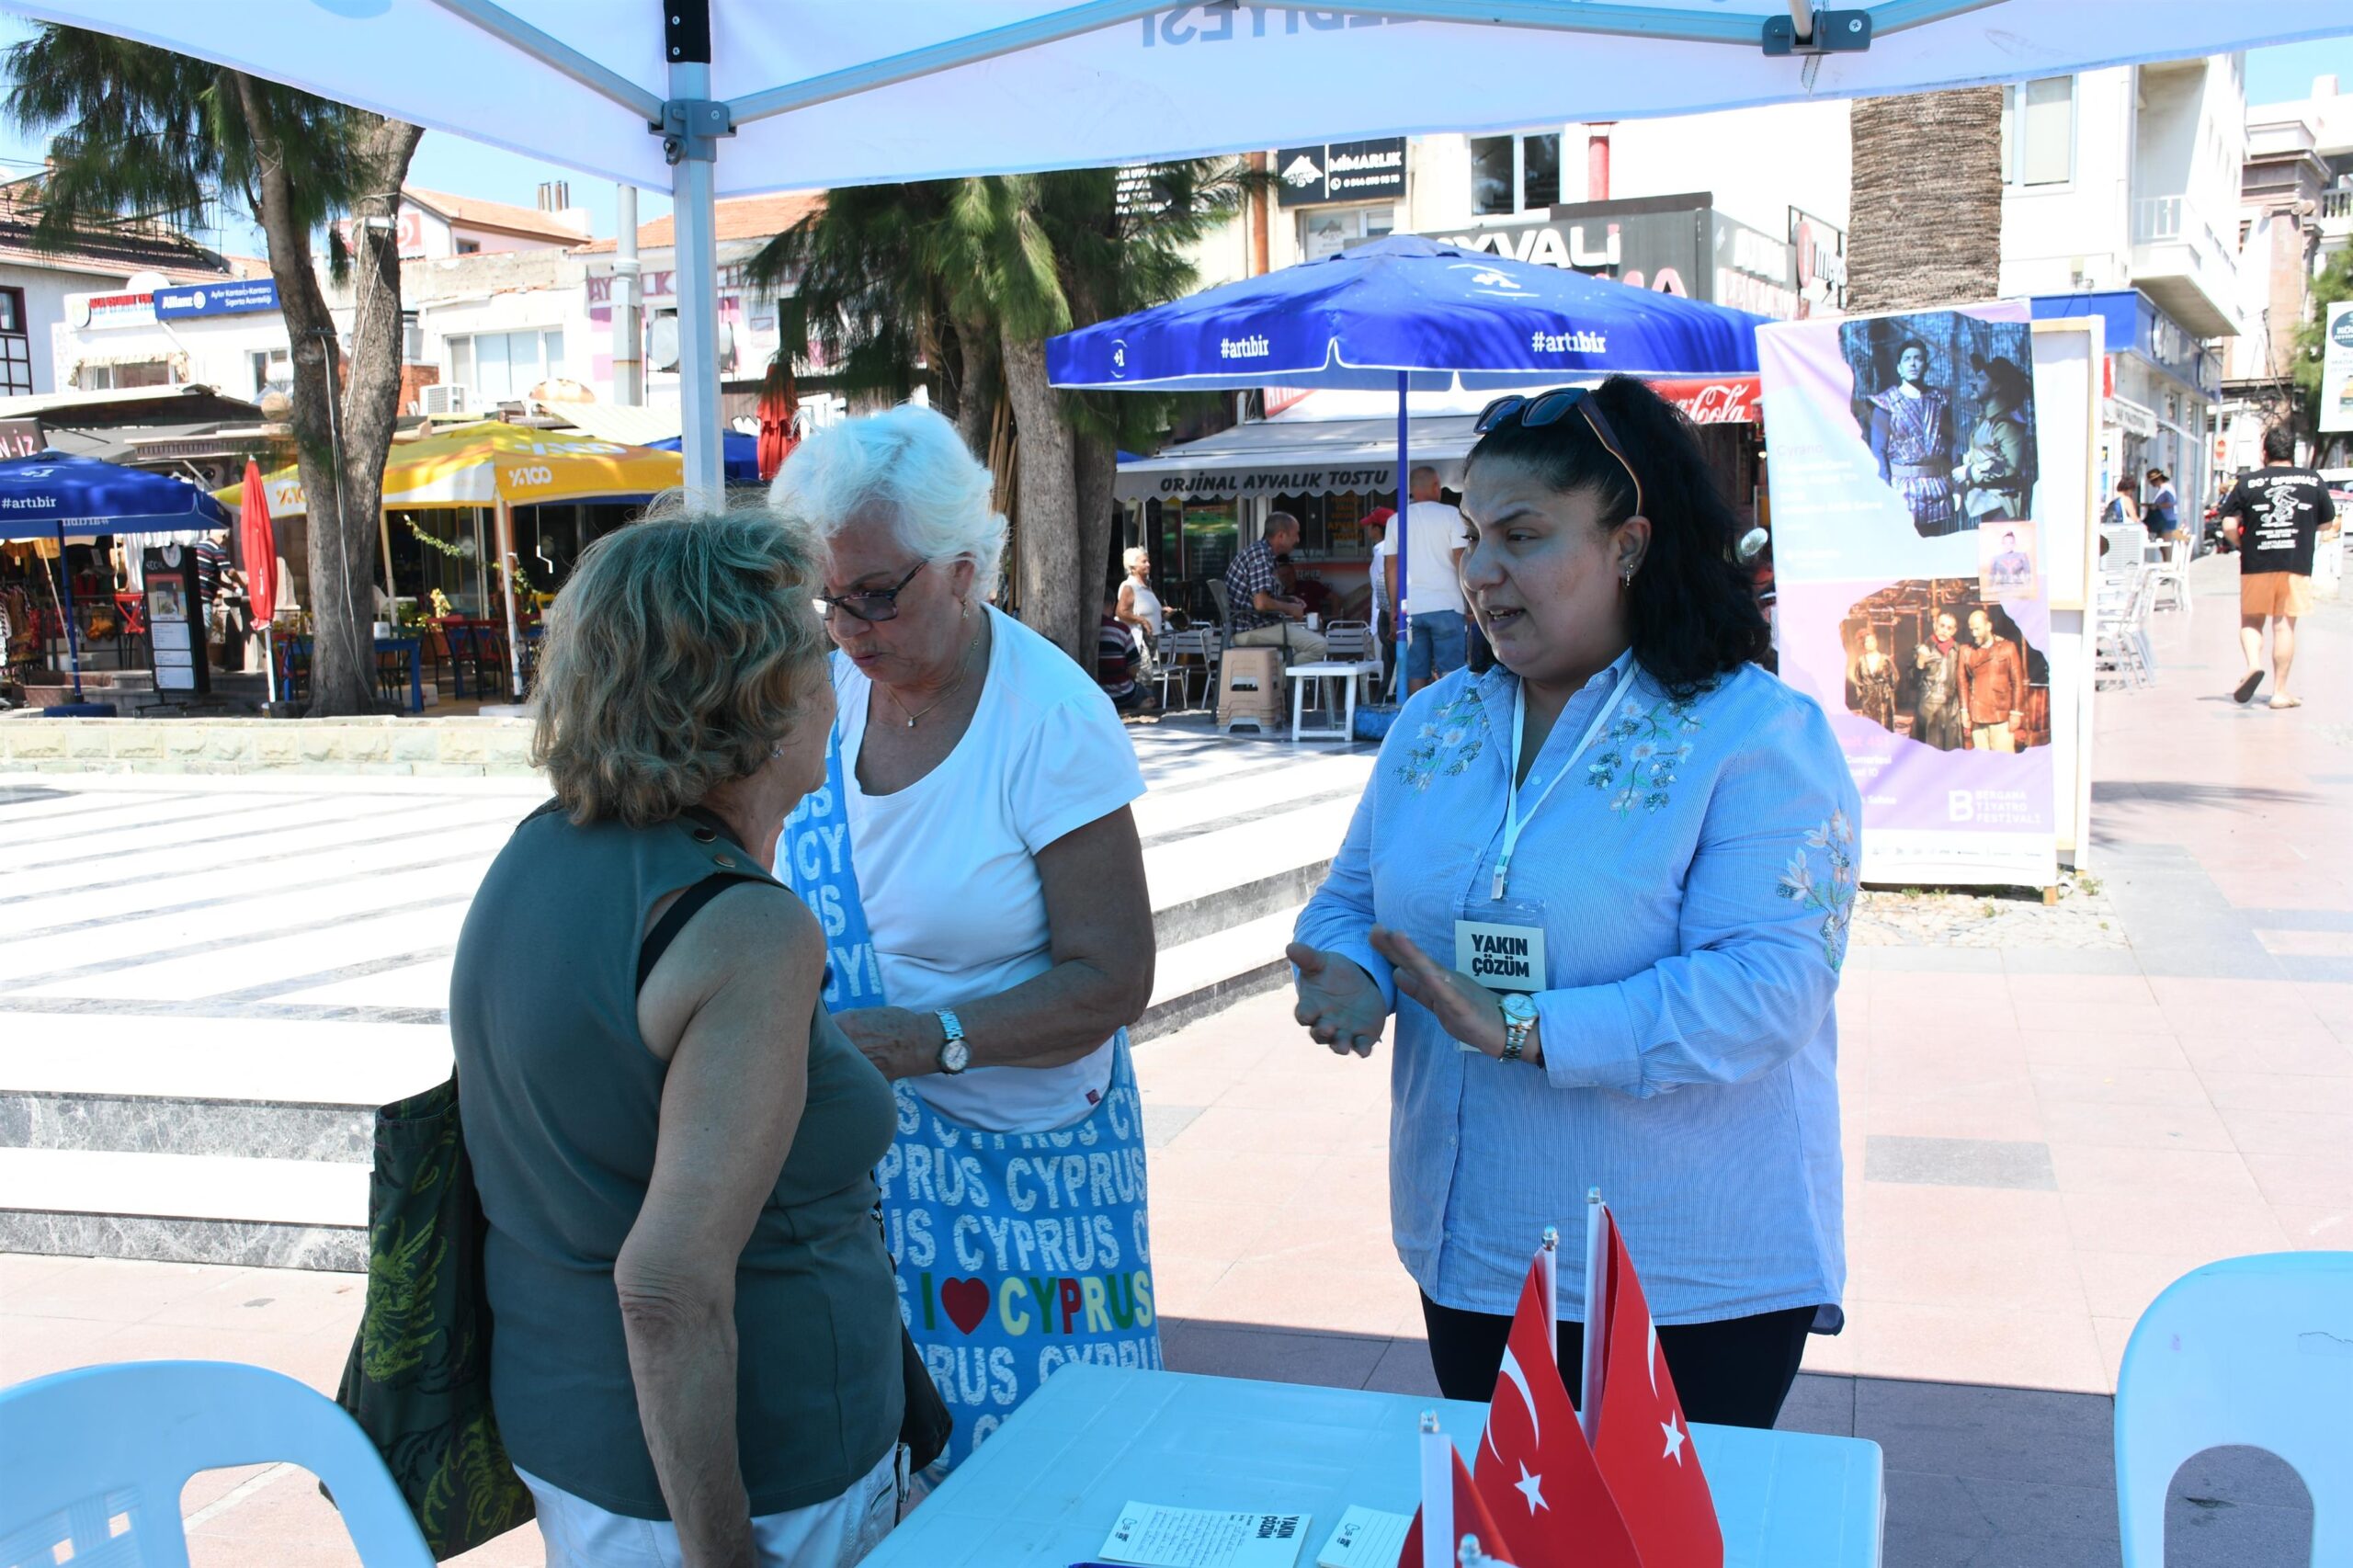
pixel 1450 742
pixel 1640 752
pixel 1835 898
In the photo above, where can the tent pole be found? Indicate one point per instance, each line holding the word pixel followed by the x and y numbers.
pixel 693 182
pixel 506 576
pixel 73 641
pixel 1405 562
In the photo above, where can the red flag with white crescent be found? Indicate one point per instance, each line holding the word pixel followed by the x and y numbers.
pixel 1644 1445
pixel 1534 1469
pixel 1472 1517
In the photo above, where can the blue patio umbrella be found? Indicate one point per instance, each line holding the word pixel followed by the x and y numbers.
pixel 51 494
pixel 1410 313
pixel 741 454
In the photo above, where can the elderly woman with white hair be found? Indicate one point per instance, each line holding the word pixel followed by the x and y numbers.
pixel 977 869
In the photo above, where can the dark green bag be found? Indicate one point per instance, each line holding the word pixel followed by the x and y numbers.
pixel 418 1380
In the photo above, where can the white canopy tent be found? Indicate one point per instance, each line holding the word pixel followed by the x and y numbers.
pixel 711 97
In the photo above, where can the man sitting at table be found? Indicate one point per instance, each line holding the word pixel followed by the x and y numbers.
pixel 1263 616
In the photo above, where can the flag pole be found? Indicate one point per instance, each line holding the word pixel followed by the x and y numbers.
pixel 1552 1283
pixel 1437 1494
pixel 1596 1313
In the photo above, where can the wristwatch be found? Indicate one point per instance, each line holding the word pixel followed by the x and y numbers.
pixel 1519 1017
pixel 954 1054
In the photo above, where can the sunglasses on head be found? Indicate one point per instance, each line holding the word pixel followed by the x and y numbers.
pixel 869 603
pixel 1549 407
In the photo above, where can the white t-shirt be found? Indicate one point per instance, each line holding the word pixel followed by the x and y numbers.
pixel 1435 532
pixel 1145 604
pixel 948 866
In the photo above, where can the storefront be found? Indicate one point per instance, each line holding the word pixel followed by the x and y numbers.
pixel 1341 193
pixel 2159 388
pixel 1676 244
pixel 1323 459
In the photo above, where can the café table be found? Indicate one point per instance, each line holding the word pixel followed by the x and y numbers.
pixel 1045 1488
pixel 1347 671
pixel 412 648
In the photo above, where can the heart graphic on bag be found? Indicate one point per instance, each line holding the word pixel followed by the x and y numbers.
pixel 967 1302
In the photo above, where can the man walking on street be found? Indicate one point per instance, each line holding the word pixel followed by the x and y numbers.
pixel 1263 616
pixel 1992 684
pixel 2281 508
pixel 1437 537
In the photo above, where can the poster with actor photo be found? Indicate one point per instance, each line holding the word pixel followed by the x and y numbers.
pixel 1911 600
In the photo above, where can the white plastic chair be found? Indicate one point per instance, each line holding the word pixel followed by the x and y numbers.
pixel 2252 1351
pixel 2169 578
pixel 1352 641
pixel 94 1461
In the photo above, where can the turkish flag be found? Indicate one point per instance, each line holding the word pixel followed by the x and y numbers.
pixel 1534 1469
pixel 1471 1518
pixel 1643 1444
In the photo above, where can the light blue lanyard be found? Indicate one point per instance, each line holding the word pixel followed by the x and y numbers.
pixel 1513 821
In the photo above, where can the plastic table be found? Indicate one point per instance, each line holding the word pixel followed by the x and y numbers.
pixel 1345 671
pixel 1044 1490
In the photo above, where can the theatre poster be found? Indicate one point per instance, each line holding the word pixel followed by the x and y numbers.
pixel 1930 502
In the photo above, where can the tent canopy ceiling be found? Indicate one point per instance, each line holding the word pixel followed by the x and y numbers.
pixel 820 95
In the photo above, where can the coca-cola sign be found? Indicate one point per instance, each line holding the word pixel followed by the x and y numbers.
pixel 1713 400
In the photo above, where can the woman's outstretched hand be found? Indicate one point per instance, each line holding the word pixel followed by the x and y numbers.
pixel 1464 1008
pixel 1338 1001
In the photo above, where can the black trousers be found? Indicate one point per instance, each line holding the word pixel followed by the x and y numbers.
pixel 1734 1373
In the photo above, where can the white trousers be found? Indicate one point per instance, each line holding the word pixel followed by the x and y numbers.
pixel 836 1533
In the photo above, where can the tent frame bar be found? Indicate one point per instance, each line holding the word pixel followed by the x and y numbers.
pixel 511 30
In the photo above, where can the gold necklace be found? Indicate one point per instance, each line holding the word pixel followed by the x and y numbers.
pixel 964 668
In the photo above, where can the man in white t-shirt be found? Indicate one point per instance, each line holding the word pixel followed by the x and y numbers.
pixel 1436 538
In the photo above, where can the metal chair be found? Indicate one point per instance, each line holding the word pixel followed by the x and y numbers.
pixel 93 1461
pixel 2249 1351
pixel 2170 577
pixel 1353 642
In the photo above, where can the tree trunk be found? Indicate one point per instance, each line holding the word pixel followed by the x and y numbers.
pixel 1926 200
pixel 1048 567
pixel 1094 466
pixel 340 507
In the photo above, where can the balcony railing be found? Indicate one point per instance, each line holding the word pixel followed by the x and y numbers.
pixel 2336 204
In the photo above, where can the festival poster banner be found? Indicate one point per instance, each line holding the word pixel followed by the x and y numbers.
pixel 1913 597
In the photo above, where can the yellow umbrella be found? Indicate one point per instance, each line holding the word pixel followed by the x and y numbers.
pixel 500 466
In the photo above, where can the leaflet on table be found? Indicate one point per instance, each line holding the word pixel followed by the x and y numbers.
pixel 1366 1538
pixel 1158 1537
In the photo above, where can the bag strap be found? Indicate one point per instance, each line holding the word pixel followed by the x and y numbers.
pixel 689 905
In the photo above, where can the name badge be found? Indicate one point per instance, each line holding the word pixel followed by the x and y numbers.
pixel 1501 957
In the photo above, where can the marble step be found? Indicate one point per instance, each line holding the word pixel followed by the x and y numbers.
pixel 184 1207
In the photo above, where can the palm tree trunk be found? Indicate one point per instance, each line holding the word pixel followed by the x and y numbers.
pixel 352 415
pixel 1926 200
pixel 1047 545
pixel 1094 466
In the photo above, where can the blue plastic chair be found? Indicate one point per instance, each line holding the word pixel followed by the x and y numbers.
pixel 2251 1351
pixel 97 1457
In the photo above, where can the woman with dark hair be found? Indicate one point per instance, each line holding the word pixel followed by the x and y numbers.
pixel 1911 435
pixel 1604 886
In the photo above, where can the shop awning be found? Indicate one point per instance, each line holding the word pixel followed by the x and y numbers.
pixel 1319 457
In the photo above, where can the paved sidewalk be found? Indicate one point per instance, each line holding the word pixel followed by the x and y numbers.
pixel 2040 1136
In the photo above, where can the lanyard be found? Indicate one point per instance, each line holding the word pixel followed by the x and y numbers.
pixel 1513 821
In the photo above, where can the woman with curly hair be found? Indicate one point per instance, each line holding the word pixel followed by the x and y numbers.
pixel 697 1354
pixel 1604 889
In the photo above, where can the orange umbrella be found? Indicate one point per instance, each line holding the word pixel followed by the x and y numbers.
pixel 778 405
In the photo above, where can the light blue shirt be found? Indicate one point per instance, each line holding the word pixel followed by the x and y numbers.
pixel 1696 872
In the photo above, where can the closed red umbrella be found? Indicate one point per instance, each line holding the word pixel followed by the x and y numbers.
pixel 257 548
pixel 778 405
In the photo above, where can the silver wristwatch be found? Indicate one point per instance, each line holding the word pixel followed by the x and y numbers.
pixel 1519 1017
pixel 954 1054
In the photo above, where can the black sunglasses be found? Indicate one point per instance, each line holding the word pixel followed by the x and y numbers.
pixel 869 603
pixel 1549 407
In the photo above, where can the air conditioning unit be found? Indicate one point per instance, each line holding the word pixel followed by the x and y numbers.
pixel 445 398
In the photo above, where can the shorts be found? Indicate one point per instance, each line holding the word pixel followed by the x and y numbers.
pixel 836 1533
pixel 1440 644
pixel 2275 593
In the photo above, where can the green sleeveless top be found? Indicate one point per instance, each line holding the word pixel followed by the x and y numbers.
pixel 560 1100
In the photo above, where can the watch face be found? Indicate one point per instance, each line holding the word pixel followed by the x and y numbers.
pixel 1518 1008
pixel 954 1056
